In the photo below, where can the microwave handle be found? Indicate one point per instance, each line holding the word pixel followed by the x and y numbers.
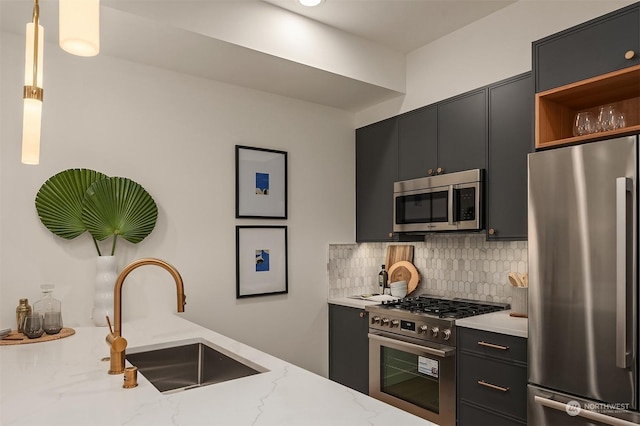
pixel 450 205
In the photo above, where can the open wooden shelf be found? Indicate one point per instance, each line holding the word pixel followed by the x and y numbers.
pixel 556 108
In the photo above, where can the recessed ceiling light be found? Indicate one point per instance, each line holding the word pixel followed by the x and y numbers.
pixel 310 2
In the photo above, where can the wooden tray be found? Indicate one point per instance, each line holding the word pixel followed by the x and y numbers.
pixel 405 271
pixel 65 332
pixel 397 253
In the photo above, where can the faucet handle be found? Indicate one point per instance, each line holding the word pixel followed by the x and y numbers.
pixel 117 343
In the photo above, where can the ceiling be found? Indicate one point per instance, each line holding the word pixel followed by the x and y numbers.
pixel 402 25
pixel 172 34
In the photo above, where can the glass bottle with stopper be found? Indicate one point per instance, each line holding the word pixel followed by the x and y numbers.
pixel 50 309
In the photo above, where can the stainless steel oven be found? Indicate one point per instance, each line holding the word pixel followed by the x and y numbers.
pixel 450 202
pixel 413 376
pixel 412 353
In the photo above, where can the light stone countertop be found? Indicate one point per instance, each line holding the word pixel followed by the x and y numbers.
pixel 65 382
pixel 352 303
pixel 497 322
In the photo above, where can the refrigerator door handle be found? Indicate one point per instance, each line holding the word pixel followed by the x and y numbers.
pixel 624 187
pixel 575 410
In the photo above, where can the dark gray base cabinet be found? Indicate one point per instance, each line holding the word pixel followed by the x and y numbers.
pixel 492 378
pixel 587 50
pixel 510 141
pixel 349 347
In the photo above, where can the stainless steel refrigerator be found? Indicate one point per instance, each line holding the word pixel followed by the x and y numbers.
pixel 583 284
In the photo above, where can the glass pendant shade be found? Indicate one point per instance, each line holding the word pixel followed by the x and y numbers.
pixel 32 101
pixel 31 131
pixel 80 26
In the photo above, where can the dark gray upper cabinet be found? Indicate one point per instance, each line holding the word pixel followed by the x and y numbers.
pixel 593 48
pixel 462 132
pixel 376 170
pixel 417 142
pixel 510 140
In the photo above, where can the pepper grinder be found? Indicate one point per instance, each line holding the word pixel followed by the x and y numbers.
pixel 22 310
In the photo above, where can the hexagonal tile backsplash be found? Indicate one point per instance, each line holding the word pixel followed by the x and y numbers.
pixel 465 266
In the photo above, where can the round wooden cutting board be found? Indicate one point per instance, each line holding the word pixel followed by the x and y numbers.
pixel 404 271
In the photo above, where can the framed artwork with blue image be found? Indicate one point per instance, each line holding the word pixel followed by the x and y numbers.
pixel 261 261
pixel 261 183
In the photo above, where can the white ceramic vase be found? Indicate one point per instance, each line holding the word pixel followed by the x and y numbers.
pixel 106 275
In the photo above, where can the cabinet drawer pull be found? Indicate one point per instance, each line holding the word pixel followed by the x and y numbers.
pixel 629 54
pixel 363 314
pixel 492 386
pixel 492 346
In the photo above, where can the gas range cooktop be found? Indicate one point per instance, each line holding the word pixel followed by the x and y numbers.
pixel 426 318
pixel 444 307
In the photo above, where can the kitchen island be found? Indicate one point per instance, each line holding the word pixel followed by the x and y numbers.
pixel 65 382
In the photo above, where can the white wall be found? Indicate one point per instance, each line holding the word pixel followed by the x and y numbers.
pixel 486 51
pixel 175 135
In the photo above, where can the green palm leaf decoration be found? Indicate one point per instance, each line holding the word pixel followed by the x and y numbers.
pixel 78 200
pixel 118 206
pixel 59 201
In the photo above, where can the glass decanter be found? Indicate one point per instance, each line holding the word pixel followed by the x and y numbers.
pixel 50 310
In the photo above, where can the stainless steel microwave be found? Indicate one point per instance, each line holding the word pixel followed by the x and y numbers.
pixel 449 202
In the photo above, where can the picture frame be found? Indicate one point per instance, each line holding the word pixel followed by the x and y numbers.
pixel 261 183
pixel 261 261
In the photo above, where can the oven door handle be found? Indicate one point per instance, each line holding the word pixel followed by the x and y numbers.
pixel 442 353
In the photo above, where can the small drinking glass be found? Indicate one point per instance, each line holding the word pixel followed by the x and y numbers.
pixel 32 327
pixel 621 123
pixel 607 118
pixel 583 124
pixel 52 322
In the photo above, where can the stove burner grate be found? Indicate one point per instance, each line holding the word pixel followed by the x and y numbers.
pixel 444 308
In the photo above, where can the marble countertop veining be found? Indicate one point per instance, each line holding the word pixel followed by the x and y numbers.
pixel 497 322
pixel 65 382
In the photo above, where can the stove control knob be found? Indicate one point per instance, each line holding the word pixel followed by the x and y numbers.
pixel 423 329
pixel 447 334
pixel 385 321
pixel 435 331
pixel 395 323
pixel 375 320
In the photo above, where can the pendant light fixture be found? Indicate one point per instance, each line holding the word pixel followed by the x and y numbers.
pixel 32 92
pixel 80 26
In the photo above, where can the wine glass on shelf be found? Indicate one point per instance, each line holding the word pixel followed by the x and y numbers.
pixel 620 121
pixel 583 124
pixel 607 118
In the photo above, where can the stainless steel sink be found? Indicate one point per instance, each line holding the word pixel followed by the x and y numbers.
pixel 189 364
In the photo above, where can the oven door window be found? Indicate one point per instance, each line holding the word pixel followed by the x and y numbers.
pixel 426 207
pixel 410 377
